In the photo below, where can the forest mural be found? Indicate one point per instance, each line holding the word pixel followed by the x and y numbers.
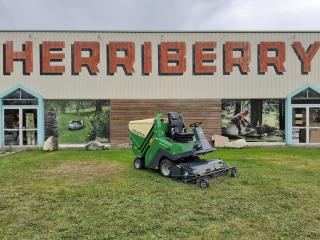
pixel 78 121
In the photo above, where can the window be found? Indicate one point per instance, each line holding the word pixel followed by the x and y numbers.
pixel 307 96
pixel 19 97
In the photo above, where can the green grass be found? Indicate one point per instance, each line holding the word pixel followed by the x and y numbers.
pixel 75 194
pixel 76 136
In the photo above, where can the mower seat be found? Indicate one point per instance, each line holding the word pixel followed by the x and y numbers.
pixel 177 128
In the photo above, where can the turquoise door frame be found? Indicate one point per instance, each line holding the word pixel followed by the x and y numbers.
pixel 40 113
pixel 289 107
pixel 1 124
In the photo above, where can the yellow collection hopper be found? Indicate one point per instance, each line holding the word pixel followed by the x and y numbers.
pixel 141 127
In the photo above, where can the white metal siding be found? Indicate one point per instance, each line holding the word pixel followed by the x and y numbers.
pixel 138 86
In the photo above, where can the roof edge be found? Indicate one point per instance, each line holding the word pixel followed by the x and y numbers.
pixel 163 31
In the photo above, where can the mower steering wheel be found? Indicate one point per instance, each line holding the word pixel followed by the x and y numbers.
pixel 195 124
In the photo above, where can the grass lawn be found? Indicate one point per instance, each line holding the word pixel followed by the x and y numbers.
pixel 76 194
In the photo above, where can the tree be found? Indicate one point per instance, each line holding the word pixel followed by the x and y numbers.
pixel 99 104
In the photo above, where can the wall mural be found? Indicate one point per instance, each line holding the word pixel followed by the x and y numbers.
pixel 239 120
pixel 78 121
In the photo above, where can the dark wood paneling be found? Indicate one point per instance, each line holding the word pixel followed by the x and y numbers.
pixel 123 111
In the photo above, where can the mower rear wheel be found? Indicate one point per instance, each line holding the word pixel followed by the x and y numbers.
pixel 138 163
pixel 234 172
pixel 166 167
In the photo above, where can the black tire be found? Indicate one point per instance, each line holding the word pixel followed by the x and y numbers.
pixel 166 168
pixel 138 163
pixel 234 172
pixel 203 183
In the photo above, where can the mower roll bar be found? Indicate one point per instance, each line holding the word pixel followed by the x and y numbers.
pixel 195 124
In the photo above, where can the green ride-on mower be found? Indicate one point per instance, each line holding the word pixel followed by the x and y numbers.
pixel 163 143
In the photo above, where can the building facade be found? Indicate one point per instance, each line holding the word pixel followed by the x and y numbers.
pixel 208 76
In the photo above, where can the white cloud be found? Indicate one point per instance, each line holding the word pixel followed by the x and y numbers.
pixel 266 15
pixel 160 14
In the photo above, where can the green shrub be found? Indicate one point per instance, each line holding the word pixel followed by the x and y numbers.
pixel 98 125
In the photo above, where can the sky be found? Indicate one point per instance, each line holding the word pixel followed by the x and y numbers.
pixel 157 15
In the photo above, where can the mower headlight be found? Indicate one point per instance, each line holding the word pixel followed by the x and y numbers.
pixel 197 146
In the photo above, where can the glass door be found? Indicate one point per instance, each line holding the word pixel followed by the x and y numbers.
pixel 20 126
pixel 314 124
pixel 12 126
pixel 299 125
pixel 29 127
pixel 306 125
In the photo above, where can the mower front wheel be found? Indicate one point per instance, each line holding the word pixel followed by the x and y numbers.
pixel 234 172
pixel 138 163
pixel 166 167
pixel 203 183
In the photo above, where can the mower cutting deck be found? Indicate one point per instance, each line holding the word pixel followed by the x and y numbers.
pixel 163 143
